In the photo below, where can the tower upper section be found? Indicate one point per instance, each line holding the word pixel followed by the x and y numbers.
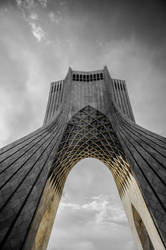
pixel 94 88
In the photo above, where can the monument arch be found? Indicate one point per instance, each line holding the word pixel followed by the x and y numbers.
pixel 88 115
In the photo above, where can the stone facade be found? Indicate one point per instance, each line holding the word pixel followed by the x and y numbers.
pixel 88 115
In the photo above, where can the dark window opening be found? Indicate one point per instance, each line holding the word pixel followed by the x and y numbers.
pixel 73 77
pixel 87 78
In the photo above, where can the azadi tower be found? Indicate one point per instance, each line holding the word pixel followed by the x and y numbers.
pixel 88 115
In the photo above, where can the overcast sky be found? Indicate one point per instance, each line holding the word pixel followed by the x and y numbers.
pixel 39 40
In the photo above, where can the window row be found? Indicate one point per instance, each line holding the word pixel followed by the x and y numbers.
pixel 119 86
pixel 88 78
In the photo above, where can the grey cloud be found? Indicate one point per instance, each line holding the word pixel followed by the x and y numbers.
pixel 18 80
pixel 101 210
pixel 143 19
pixel 118 19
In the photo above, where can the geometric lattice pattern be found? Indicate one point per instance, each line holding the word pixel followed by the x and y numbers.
pixel 89 134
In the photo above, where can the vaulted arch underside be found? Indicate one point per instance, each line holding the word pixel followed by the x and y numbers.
pixel 90 134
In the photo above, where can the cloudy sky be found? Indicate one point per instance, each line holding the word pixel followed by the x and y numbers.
pixel 39 40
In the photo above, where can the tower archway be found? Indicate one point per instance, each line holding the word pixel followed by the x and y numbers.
pixel 89 133
pixel 89 118
pixel 90 213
